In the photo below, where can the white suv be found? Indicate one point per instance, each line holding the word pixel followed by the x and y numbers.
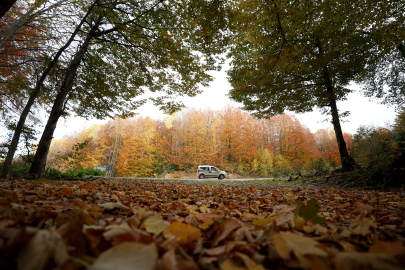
pixel 210 171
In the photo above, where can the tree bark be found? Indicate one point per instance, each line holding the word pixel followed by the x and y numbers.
pixel 33 95
pixel 347 161
pixel 38 165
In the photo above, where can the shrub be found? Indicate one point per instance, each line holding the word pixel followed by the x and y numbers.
pixel 377 150
pixel 80 173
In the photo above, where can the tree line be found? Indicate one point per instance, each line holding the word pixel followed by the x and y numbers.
pixel 97 58
pixel 231 139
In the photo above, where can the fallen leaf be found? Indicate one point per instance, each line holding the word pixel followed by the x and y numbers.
pixel 363 209
pixel 357 260
pixel 288 243
pixel 112 206
pixel 44 247
pixel 361 226
pixel 183 231
pixel 308 211
pixel 127 256
pixel 230 264
pixel 226 228
pixel 261 222
pixel 289 196
pixel 205 225
pixel 155 224
pixel 207 217
pixel 65 191
pixel 393 248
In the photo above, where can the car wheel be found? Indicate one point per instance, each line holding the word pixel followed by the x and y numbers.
pixel 201 176
pixel 221 176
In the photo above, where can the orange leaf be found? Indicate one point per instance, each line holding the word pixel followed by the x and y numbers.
pixel 207 217
pixel 87 187
pixel 65 191
pixel 9 195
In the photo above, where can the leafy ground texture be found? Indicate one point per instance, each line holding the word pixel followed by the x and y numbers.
pixel 141 224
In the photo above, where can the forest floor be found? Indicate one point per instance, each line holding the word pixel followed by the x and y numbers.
pixel 210 224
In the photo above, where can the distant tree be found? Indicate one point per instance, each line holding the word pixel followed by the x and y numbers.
pixel 296 56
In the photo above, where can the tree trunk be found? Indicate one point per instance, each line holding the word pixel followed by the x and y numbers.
pixel 34 94
pixel 347 161
pixel 38 165
pixel 24 20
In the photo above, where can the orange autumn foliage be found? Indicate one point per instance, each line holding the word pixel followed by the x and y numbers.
pixel 231 139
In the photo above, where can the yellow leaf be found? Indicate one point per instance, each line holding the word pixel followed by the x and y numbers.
pixel 261 222
pixel 289 196
pixel 289 243
pixel 206 225
pixel 229 264
pixel 299 223
pixel 155 224
pixel 204 209
pixel 183 231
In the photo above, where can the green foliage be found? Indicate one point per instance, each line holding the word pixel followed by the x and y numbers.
pixel 26 147
pixel 380 152
pixel 255 166
pixel 265 161
pixel 240 168
pixel 282 165
pixel 263 172
pixel 80 173
pixel 371 144
pixel 19 171
pixel 286 52
pixel 156 54
pixel 310 211
pixel 316 166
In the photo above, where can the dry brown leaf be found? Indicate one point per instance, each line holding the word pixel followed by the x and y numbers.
pixel 288 243
pixel 226 228
pixel 112 206
pixel 361 226
pixel 44 247
pixel 357 260
pixel 208 217
pixel 364 209
pixel 127 256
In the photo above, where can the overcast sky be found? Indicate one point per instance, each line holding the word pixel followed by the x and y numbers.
pixel 363 111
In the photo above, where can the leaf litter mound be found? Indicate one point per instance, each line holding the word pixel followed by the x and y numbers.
pixel 117 224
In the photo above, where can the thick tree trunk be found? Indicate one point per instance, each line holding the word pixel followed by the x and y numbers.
pixel 38 165
pixel 34 94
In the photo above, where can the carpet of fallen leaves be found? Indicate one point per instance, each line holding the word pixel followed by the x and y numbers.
pixel 117 224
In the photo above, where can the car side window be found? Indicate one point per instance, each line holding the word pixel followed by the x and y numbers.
pixel 214 169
